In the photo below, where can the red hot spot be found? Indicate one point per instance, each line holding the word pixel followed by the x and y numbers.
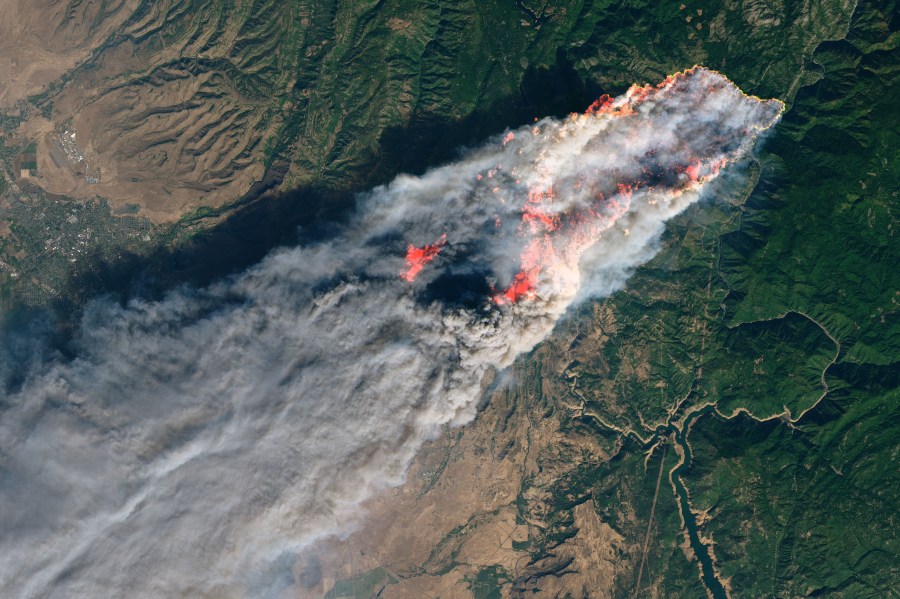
pixel 418 257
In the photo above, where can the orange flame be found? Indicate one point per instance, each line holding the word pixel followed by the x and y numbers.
pixel 556 234
pixel 418 257
pixel 601 105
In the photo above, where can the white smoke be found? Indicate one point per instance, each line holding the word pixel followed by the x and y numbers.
pixel 192 441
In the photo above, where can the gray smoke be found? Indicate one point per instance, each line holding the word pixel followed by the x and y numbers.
pixel 195 441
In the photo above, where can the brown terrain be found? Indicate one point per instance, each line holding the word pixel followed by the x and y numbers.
pixel 457 514
pixel 137 123
pixel 41 40
pixel 536 497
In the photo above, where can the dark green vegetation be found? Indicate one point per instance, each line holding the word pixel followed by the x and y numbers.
pixel 781 311
pixel 777 303
pixel 487 583
pixel 369 584
pixel 335 97
pixel 48 238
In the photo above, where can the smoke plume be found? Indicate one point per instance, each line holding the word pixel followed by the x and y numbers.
pixel 193 442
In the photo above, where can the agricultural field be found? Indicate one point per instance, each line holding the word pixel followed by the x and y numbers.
pixel 726 425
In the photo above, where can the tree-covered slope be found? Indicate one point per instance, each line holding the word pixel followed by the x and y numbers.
pixel 740 394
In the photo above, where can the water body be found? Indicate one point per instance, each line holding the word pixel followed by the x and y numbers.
pixel 188 444
pixel 707 571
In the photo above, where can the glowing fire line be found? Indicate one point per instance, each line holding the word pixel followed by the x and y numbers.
pixel 418 257
pixel 556 237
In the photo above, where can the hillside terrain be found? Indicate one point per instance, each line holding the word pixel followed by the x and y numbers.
pixel 173 117
pixel 725 426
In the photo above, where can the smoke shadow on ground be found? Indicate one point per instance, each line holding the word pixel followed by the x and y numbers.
pixel 265 219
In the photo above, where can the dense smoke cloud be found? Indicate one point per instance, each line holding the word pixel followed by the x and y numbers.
pixel 192 442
